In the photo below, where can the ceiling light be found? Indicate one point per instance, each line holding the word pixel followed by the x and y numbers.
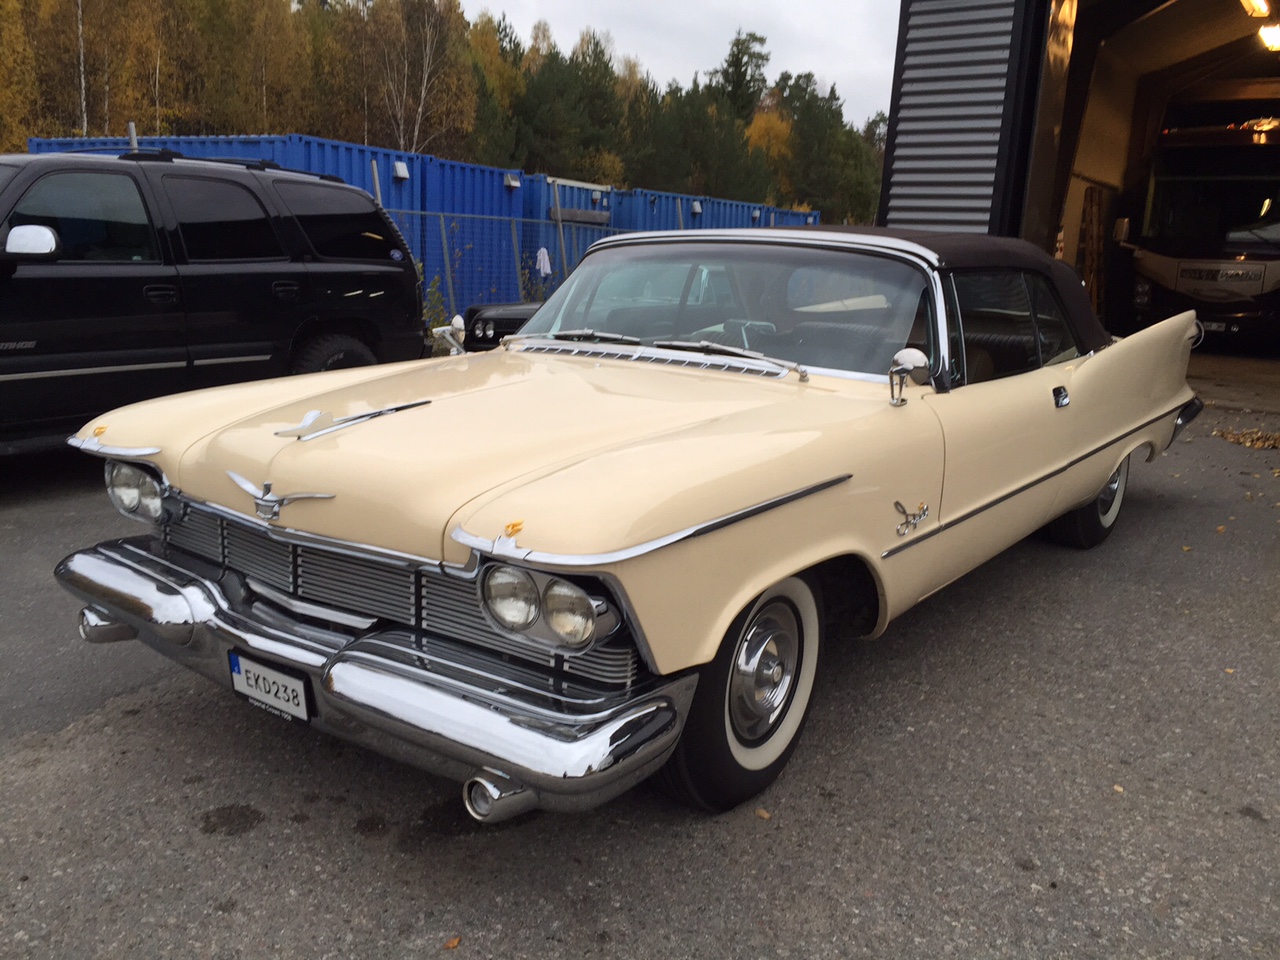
pixel 1256 8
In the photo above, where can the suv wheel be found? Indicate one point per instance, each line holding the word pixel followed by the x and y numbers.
pixel 334 351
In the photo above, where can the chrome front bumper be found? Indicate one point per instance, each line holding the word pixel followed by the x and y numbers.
pixel 440 713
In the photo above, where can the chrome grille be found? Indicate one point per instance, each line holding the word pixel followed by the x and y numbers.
pixel 198 533
pixel 354 583
pixel 258 556
pixel 442 605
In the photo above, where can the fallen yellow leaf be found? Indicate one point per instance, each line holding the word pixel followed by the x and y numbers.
pixel 1186 549
pixel 1229 669
pixel 1118 789
pixel 1222 529
pixel 452 944
pixel 763 814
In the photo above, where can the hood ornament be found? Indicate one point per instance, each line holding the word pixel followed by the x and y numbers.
pixel 268 504
pixel 317 423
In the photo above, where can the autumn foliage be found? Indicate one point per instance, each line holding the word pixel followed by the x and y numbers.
pixel 415 75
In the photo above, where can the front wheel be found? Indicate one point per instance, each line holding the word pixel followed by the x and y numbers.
pixel 1089 525
pixel 751 703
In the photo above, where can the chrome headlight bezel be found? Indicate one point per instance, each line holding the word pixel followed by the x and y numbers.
pixel 580 614
pixel 135 491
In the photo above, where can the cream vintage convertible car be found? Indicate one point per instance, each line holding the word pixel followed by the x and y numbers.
pixel 615 546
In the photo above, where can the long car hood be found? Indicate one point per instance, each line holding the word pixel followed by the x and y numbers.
pixel 583 456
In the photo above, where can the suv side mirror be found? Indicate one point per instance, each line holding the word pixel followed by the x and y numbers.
pixel 32 241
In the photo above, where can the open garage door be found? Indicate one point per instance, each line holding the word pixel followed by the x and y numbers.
pixel 1063 120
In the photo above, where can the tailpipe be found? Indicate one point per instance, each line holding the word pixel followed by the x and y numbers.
pixel 95 627
pixel 491 797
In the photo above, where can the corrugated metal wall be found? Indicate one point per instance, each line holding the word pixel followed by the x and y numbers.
pixel 953 75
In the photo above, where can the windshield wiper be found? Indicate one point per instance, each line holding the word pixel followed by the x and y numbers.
pixel 598 336
pixel 724 350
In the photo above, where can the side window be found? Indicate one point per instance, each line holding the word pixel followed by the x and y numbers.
pixel 1057 345
pixel 341 224
pixel 996 322
pixel 97 216
pixel 220 220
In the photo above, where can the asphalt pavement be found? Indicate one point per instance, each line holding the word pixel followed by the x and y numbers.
pixel 1064 754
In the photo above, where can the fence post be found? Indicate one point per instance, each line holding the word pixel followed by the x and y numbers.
pixel 515 246
pixel 448 267
pixel 564 260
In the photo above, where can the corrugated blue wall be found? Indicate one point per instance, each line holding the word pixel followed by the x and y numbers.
pixel 349 161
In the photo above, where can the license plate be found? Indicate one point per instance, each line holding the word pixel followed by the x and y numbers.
pixel 1215 327
pixel 275 692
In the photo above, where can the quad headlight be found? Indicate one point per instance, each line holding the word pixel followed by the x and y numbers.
pixel 569 613
pixel 135 492
pixel 1142 292
pixel 511 596
pixel 544 607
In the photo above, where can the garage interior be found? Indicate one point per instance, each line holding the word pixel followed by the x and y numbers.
pixel 1076 93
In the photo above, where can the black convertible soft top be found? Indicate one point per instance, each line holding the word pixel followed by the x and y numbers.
pixel 970 251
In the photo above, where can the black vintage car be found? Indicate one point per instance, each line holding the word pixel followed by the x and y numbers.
pixel 123 278
pixel 487 323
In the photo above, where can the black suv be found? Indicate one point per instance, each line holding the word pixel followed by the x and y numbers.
pixel 123 278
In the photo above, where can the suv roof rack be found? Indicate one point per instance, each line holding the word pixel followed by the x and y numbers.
pixel 162 154
pixel 165 155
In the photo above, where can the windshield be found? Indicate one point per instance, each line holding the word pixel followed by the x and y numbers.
pixel 821 308
pixel 1210 201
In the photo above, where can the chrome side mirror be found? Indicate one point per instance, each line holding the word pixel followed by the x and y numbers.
pixel 907 362
pixel 32 240
pixel 453 335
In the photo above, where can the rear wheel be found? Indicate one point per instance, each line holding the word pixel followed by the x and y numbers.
pixel 751 703
pixel 332 351
pixel 1089 525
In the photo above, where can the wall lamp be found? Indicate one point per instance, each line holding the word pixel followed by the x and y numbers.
pixel 1256 8
pixel 1270 35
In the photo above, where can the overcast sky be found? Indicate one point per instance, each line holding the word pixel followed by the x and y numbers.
pixel 850 43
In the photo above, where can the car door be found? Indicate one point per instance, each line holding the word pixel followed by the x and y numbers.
pixel 99 325
pixel 1008 424
pixel 245 295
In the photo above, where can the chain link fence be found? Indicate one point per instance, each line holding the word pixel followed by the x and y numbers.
pixel 469 259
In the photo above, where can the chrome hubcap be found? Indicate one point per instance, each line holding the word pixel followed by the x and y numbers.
pixel 764 671
pixel 1112 491
pixel 1108 495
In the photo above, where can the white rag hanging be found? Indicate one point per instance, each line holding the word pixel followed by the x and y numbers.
pixel 543 262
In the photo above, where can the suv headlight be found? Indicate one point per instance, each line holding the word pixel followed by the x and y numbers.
pixel 135 492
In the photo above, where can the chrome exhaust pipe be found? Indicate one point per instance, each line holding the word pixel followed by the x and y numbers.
pixel 96 627
pixel 492 797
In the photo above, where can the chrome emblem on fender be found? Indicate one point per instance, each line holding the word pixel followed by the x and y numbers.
pixel 911 520
pixel 268 504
